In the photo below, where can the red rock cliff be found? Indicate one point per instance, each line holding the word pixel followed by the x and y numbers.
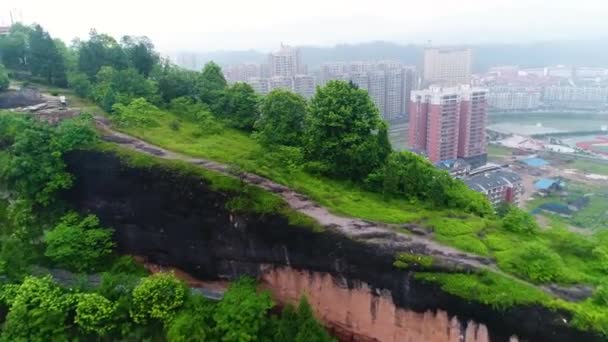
pixel 362 314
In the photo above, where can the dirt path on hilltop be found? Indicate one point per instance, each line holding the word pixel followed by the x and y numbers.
pixel 382 235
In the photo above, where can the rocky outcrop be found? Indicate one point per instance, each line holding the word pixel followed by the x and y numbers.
pixel 180 221
pixel 363 313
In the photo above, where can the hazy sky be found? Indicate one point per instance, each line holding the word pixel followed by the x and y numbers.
pixel 207 25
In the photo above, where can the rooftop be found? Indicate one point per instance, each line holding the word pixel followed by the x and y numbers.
pixel 491 180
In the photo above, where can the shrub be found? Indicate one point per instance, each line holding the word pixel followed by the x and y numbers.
pixel 533 261
pixel 38 312
pixel 78 244
pixel 138 113
pixel 241 314
pixel 518 221
pixel 281 119
pixel 601 293
pixel 95 314
pixel 157 297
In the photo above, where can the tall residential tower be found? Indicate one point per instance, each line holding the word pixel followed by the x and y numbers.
pixel 449 123
pixel 447 66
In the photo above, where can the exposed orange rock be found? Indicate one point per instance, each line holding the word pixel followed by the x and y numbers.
pixel 362 314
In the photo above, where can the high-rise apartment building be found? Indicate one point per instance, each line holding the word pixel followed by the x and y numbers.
pixel 260 85
pixel 281 82
pixel 304 85
pixel 286 62
pixel 447 66
pixel 472 131
pixel 242 72
pixel 360 79
pixel 331 71
pixel 449 123
pixel 377 90
pixel 394 93
pixel 388 83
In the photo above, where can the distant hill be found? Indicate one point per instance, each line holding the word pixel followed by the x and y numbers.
pixel 577 53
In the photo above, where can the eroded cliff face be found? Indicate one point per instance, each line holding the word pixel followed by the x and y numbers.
pixel 179 221
pixel 363 313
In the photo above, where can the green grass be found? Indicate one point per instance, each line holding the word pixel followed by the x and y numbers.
pixel 407 260
pixel 236 148
pixel 588 166
pixel 487 288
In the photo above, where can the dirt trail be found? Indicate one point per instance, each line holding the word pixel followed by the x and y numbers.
pixel 381 235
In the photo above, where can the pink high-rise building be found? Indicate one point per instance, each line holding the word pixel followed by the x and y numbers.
pixel 448 123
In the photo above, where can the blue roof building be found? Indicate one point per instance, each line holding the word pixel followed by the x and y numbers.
pixel 535 162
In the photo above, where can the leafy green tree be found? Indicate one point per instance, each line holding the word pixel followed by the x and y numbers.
pixel 174 82
pixel 80 83
pixel 281 119
pixel 535 262
pixel 122 86
pixel 211 83
pixel 100 50
pixel 601 293
pixel 309 328
pixel 241 315
pixel 37 313
pixel 194 323
pixel 287 327
pixel 78 244
pixel 238 106
pixel 519 221
pixel 157 297
pixel 137 113
pixel 36 170
pixel 95 314
pixel 140 53
pixel 45 60
pixel 14 50
pixel 76 133
pixel 344 132
pixel 15 256
pixel 4 81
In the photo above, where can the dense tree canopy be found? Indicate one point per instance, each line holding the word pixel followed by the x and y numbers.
pixel 344 132
pixel 14 50
pixel 4 81
pixel 240 316
pixel 519 221
pixel 79 244
pixel 37 312
pixel 98 51
pixel 140 53
pixel 281 119
pixel 211 83
pixel 95 314
pixel 174 82
pixel 238 106
pixel 157 297
pixel 45 60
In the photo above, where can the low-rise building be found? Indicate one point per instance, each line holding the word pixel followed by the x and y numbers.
pixel 513 98
pixel 498 186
